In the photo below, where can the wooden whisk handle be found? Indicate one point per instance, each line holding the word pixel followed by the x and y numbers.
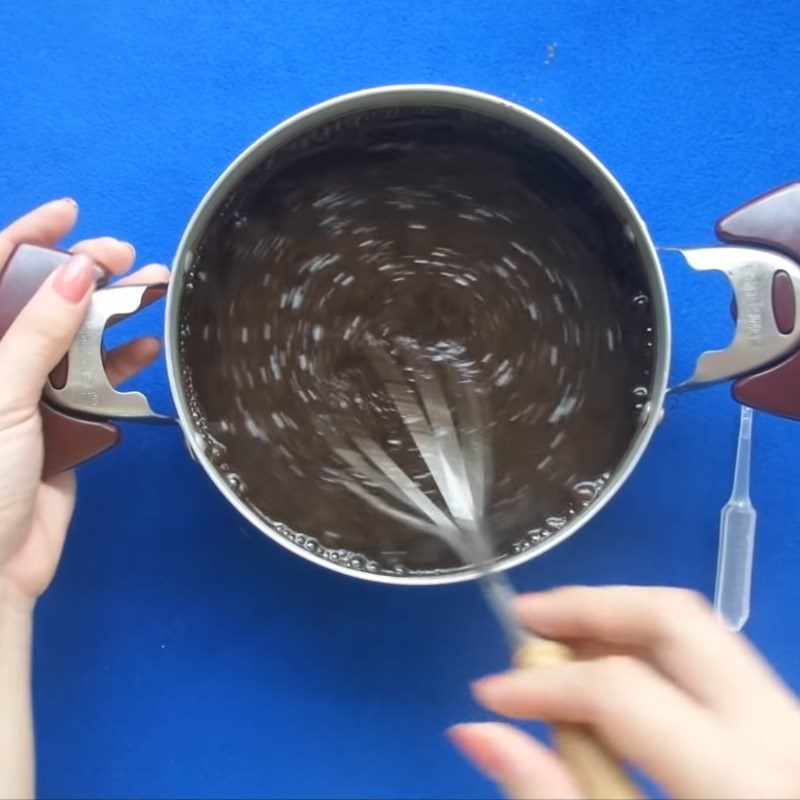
pixel 597 772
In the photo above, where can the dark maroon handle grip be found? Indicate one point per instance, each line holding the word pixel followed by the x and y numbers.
pixel 772 221
pixel 70 441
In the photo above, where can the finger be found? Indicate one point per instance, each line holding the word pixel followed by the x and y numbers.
pixel 41 335
pixel 128 359
pixel 113 255
pixel 152 273
pixel 583 649
pixel 627 703
pixel 523 767
pixel 44 225
pixel 676 628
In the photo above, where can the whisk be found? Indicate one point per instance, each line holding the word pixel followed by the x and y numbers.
pixel 452 443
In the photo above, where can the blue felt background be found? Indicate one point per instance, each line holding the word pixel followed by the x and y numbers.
pixel 180 653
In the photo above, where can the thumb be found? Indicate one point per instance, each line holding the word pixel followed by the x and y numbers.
pixel 41 335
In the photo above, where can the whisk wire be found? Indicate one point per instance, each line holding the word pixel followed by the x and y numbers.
pixel 456 458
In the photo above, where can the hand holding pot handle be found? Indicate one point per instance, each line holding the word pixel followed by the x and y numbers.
pixel 68 440
pixel 75 429
pixel 44 297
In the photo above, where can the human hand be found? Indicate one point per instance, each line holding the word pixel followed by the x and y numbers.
pixel 34 514
pixel 661 681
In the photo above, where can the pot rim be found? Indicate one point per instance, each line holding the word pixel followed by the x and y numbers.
pixel 453 97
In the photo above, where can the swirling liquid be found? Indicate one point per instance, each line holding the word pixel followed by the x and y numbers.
pixel 438 230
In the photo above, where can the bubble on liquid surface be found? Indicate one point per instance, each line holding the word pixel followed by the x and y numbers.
pixel 236 483
pixel 587 490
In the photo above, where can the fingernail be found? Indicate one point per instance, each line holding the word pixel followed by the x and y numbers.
pixel 129 246
pixel 74 278
pixel 72 202
pixel 529 598
pixel 156 341
pixel 529 604
pixel 469 739
pixel 483 685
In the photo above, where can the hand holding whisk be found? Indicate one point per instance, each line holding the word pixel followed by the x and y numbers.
pixel 451 439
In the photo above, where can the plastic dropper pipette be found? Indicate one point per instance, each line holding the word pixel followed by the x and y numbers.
pixel 737 532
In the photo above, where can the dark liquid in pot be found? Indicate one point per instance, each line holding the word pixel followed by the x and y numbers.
pixel 437 230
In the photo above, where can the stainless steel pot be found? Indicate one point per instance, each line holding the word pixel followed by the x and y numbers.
pixel 765 281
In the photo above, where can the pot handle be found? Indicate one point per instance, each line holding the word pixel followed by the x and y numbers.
pixel 75 415
pixel 766 288
pixel 773 221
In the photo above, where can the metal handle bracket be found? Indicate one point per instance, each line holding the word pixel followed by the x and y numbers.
pixel 758 341
pixel 87 390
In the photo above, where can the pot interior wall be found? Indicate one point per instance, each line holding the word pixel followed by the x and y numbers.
pixel 435 229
